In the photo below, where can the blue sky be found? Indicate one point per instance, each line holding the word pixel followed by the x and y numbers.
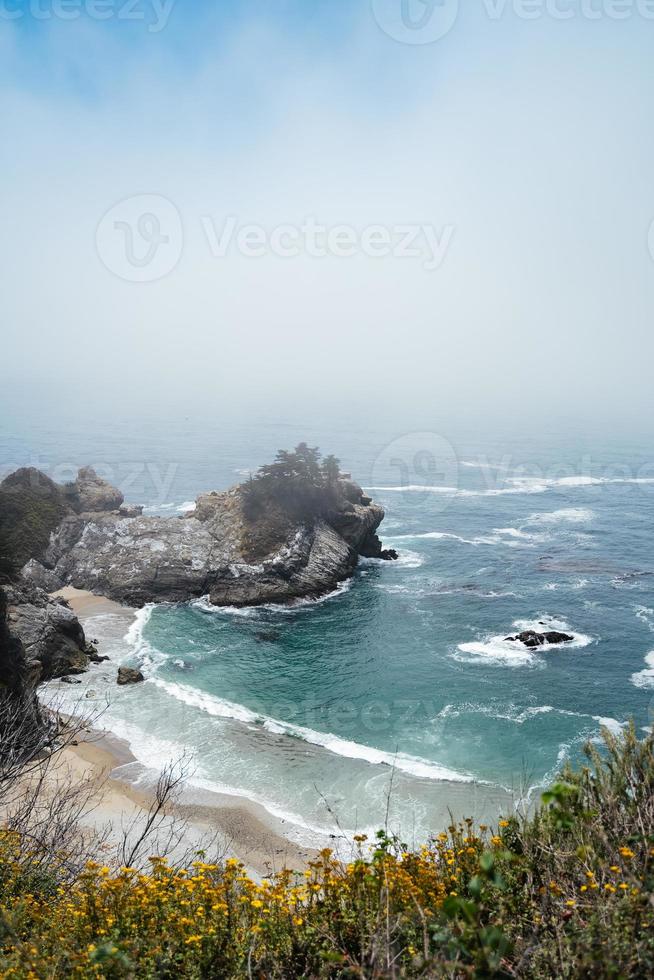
pixel 530 139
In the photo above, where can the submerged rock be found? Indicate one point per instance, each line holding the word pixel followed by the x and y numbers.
pixel 531 639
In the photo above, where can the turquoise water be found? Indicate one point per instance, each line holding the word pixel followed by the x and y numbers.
pixel 401 681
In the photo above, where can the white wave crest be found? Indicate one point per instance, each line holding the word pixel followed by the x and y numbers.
pixel 645 677
pixel 147 655
pixel 567 515
pixel 458 491
pixel 221 708
pixel 538 484
pixel 510 536
pixel 521 715
pixel 645 615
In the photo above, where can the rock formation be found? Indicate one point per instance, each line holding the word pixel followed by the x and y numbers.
pixel 50 634
pixel 531 639
pixel 40 639
pixel 129 675
pixel 220 549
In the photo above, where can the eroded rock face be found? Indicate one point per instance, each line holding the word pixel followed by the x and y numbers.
pixel 92 493
pixel 49 632
pixel 136 559
pixel 22 726
pixel 32 508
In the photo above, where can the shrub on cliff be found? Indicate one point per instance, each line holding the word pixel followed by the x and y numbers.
pixel 567 892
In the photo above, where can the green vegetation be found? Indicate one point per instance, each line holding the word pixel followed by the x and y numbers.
pixel 297 487
pixel 567 892
pixel 31 507
pixel 297 483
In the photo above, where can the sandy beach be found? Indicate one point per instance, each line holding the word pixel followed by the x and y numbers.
pixel 235 826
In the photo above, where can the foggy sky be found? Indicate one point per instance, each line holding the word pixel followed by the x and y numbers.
pixel 527 144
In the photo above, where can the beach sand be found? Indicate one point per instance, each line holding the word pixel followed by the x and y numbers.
pixel 236 826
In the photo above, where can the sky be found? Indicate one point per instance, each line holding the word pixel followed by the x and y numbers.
pixel 410 205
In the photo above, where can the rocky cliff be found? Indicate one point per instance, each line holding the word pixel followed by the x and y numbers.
pixel 40 639
pixel 219 550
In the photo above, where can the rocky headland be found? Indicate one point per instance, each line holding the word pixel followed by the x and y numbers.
pixel 233 548
pixel 294 530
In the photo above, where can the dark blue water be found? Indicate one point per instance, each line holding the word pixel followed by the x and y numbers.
pixel 308 708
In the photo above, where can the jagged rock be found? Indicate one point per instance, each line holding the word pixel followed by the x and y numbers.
pixel 33 507
pixel 23 727
pixel 531 639
pixel 93 494
pixel 69 679
pixel 50 633
pixel 215 550
pixel 129 675
pixel 553 636
pixel 91 652
pixel 42 577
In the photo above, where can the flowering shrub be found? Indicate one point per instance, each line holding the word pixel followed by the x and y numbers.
pixel 565 892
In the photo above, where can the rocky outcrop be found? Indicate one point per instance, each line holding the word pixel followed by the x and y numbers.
pixel 32 507
pixel 90 493
pixel 215 550
pixel 129 675
pixel 50 634
pixel 531 639
pixel 40 638
pixel 22 724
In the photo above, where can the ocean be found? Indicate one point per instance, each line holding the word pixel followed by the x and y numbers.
pixel 397 697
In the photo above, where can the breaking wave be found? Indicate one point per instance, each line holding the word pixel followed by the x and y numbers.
pixel 499 650
pixel 645 677
pixel 221 708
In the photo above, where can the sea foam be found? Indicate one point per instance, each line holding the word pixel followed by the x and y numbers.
pixel 498 650
pixel 645 677
pixel 221 708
